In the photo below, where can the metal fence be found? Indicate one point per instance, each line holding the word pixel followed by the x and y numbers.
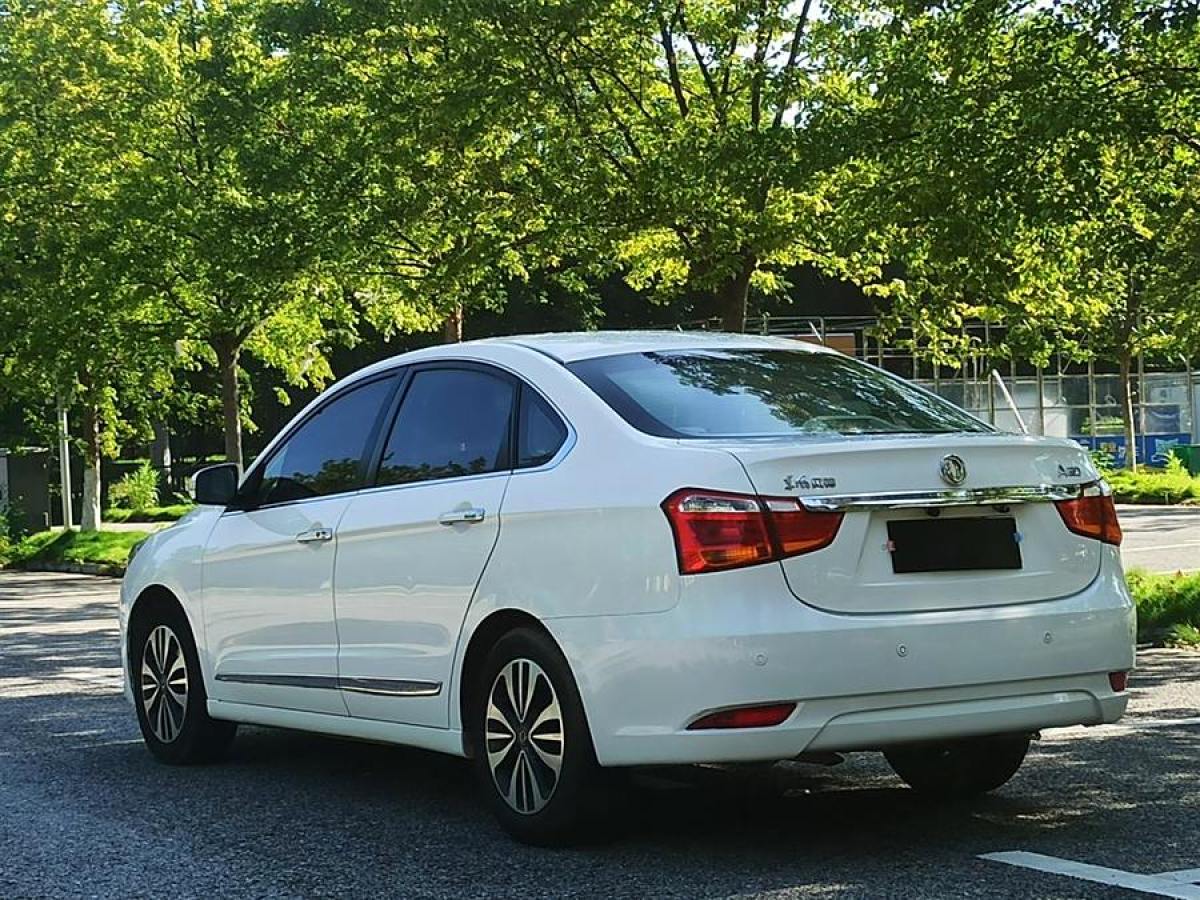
pixel 1066 399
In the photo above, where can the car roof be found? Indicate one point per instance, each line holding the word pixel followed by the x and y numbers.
pixel 570 346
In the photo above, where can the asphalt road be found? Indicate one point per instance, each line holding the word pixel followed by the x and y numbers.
pixel 85 812
pixel 1161 538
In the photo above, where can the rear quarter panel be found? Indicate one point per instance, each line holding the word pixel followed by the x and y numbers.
pixel 587 536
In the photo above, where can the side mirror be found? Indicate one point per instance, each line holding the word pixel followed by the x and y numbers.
pixel 216 485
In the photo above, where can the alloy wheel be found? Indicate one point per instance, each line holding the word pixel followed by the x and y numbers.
pixel 164 683
pixel 524 736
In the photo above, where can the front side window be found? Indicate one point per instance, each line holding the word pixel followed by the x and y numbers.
pixel 452 422
pixel 325 454
pixel 752 393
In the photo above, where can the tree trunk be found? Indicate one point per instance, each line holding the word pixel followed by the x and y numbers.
pixel 452 328
pixel 89 514
pixel 1126 389
pixel 160 457
pixel 228 353
pixel 732 296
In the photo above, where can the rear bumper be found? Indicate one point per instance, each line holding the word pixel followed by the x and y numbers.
pixel 859 682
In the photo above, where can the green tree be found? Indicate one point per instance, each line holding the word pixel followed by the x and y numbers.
pixel 233 237
pixel 695 148
pixel 1041 164
pixel 447 199
pixel 73 325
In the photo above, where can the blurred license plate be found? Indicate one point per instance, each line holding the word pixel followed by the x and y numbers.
pixel 954 545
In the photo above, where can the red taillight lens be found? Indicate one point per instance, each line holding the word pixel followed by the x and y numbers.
pixel 715 530
pixel 799 531
pixel 1092 515
pixel 1117 681
pixel 745 717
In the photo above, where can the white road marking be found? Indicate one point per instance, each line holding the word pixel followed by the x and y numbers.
pixel 1129 726
pixel 1160 547
pixel 1187 876
pixel 1159 885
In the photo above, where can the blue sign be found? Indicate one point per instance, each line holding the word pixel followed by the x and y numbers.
pixel 1152 448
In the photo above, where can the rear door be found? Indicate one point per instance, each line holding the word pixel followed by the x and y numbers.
pixel 413 547
pixel 268 566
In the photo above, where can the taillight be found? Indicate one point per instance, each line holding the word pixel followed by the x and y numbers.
pixel 796 529
pixel 715 530
pixel 1092 515
pixel 745 717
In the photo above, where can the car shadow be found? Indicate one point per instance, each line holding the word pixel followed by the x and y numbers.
pixel 716 830
pixel 294 814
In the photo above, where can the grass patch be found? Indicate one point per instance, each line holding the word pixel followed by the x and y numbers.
pixel 1168 607
pixel 150 514
pixel 1170 485
pixel 1184 636
pixel 106 548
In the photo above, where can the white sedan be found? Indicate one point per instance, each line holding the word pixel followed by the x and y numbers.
pixel 562 555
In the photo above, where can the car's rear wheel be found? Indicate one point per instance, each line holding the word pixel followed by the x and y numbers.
pixel 169 690
pixel 532 748
pixel 959 769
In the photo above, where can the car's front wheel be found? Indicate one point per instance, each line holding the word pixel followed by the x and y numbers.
pixel 169 690
pixel 959 769
pixel 533 752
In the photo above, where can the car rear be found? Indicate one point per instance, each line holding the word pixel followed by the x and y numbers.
pixel 892 571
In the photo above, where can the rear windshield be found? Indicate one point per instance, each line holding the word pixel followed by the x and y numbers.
pixel 751 393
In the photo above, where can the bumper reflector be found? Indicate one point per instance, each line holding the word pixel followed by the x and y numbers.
pixel 745 717
pixel 1118 680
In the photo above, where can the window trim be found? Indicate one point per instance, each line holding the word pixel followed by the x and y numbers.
pixel 253 479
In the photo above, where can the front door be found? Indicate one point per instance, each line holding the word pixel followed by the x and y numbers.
pixel 268 564
pixel 412 548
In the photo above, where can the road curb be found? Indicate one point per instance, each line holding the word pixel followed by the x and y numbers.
pixel 106 569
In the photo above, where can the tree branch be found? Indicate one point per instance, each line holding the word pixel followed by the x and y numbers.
pixel 562 86
pixel 1184 138
pixel 762 38
pixel 793 56
pixel 668 41
pixel 622 127
pixel 713 92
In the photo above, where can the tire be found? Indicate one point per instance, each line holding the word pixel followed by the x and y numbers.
pixel 515 754
pixel 172 708
pixel 959 769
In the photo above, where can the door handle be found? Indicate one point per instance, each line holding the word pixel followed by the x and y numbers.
pixel 315 536
pixel 462 516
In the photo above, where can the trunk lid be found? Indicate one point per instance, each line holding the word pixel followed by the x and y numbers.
pixel 869 476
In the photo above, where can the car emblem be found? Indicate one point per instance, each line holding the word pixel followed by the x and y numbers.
pixel 808 482
pixel 953 469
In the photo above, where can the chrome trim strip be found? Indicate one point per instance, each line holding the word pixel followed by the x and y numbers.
pixel 391 687
pixel 387 687
pixel 328 682
pixel 994 496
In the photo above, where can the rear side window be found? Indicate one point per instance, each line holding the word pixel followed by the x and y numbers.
pixel 540 433
pixel 325 454
pixel 748 393
pixel 452 422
